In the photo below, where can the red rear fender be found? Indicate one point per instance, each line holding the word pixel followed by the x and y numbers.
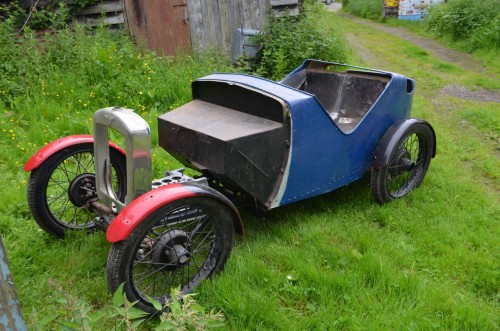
pixel 50 149
pixel 134 213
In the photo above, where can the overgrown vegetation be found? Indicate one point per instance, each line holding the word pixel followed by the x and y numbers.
pixel 51 14
pixel 467 24
pixel 364 8
pixel 77 314
pixel 287 41
pixel 474 24
pixel 50 85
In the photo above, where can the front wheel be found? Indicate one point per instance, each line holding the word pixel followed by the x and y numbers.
pixel 407 166
pixel 61 187
pixel 176 246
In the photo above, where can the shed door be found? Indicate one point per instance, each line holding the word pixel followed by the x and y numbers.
pixel 160 25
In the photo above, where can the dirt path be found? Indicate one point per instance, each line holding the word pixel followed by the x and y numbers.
pixel 437 50
pixel 433 47
pixel 334 6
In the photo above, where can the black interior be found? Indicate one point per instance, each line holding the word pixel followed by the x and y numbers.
pixel 239 98
pixel 346 96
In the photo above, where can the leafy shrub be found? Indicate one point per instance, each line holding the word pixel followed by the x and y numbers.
pixel 70 65
pixel 48 14
pixel 77 314
pixel 364 8
pixel 475 23
pixel 288 41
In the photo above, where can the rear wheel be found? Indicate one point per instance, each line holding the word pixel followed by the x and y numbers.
pixel 176 246
pixel 59 189
pixel 407 165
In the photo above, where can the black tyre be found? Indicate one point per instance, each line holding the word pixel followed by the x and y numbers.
pixel 176 246
pixel 407 165
pixel 58 190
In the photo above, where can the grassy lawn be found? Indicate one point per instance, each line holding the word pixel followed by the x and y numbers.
pixel 339 261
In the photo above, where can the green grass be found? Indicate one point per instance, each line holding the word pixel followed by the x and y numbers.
pixel 487 54
pixel 364 8
pixel 339 261
pixel 466 25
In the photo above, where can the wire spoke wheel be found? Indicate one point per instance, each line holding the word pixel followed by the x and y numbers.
pixel 60 189
pixel 176 246
pixel 58 202
pixel 407 165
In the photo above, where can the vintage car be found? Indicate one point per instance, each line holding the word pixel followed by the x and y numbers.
pixel 252 142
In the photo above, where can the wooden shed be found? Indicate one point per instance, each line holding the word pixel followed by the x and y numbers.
pixel 173 26
pixel 170 27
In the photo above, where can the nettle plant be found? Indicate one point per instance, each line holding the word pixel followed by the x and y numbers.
pixel 475 23
pixel 41 15
pixel 287 41
pixel 77 314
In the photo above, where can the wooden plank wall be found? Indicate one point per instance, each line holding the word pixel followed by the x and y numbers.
pixel 213 23
pixel 109 12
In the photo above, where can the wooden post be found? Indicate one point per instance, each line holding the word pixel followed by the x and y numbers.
pixel 11 317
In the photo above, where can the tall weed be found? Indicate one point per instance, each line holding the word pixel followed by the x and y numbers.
pixel 364 8
pixel 474 23
pixel 54 14
pixel 287 41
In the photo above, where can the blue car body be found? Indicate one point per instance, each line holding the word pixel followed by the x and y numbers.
pixel 326 147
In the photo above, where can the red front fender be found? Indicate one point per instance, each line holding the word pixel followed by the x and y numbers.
pixel 134 213
pixel 55 146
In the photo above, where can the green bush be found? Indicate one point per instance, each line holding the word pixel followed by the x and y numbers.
pixel 364 8
pixel 53 14
pixel 70 65
pixel 474 23
pixel 288 41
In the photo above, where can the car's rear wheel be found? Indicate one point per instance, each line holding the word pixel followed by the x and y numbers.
pixel 407 166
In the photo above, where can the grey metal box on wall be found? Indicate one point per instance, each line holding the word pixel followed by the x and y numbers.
pixel 244 44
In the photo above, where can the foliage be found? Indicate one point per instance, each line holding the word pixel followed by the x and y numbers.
pixel 475 23
pixel 77 314
pixel 50 85
pixel 186 314
pixel 364 8
pixel 52 14
pixel 77 70
pixel 287 41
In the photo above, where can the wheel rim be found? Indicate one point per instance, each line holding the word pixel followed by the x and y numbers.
pixel 175 253
pixel 406 166
pixel 70 186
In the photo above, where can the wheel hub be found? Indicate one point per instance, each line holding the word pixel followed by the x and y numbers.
pixel 82 189
pixel 402 164
pixel 171 251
